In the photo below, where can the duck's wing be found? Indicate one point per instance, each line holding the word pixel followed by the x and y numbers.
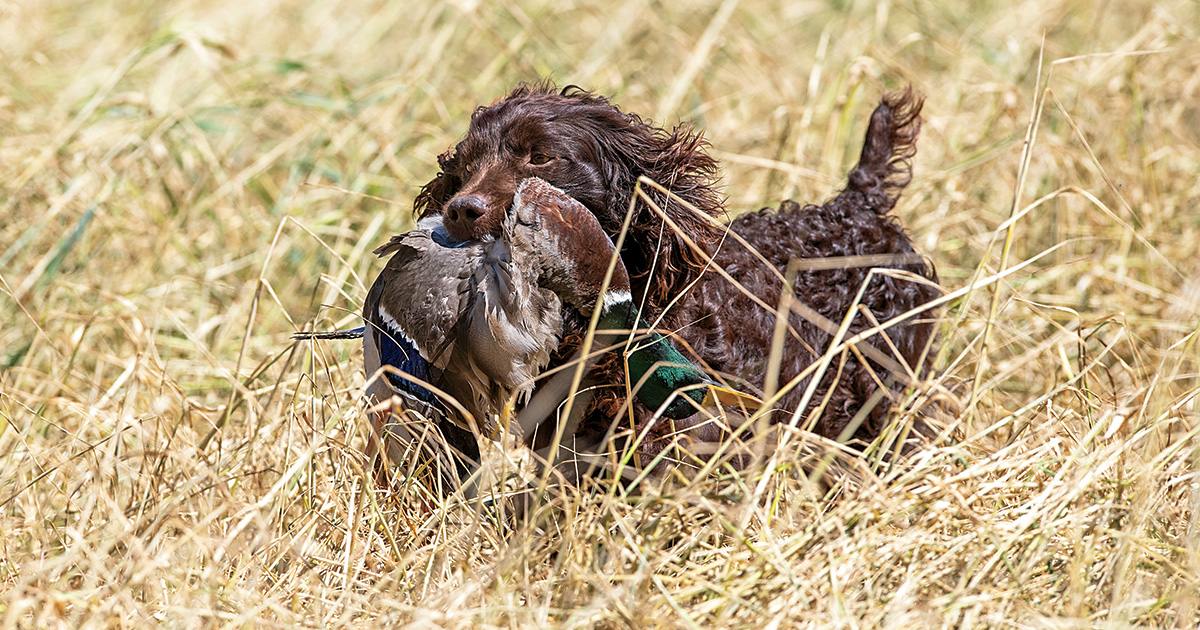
pixel 411 312
pixel 402 332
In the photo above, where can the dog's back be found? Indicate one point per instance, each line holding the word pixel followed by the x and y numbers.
pixel 834 248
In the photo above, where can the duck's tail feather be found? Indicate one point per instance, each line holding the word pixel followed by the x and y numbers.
pixel 308 335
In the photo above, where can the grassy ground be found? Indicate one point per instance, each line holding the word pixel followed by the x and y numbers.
pixel 184 184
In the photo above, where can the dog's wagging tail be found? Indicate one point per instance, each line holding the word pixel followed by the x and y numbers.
pixel 885 166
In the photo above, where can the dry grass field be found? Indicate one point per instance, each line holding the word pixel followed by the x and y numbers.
pixel 185 184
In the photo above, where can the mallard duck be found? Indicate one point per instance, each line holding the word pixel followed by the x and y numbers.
pixel 458 328
pixel 462 329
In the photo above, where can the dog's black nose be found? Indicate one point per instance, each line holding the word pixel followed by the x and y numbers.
pixel 460 214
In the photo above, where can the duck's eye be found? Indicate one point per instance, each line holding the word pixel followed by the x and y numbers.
pixel 538 159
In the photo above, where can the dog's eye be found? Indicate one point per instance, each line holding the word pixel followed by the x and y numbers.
pixel 538 159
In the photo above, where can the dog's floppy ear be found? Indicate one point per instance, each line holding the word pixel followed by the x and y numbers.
pixel 441 188
pixel 659 257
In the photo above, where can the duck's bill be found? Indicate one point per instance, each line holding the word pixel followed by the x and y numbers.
pixel 720 396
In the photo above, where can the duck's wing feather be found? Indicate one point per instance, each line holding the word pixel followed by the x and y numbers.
pixel 412 309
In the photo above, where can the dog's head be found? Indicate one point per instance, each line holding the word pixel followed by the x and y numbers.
pixel 585 146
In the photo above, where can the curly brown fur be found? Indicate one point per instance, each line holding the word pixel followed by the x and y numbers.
pixel 584 145
pixel 733 333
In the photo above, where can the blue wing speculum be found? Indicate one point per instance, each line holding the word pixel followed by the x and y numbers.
pixel 398 350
